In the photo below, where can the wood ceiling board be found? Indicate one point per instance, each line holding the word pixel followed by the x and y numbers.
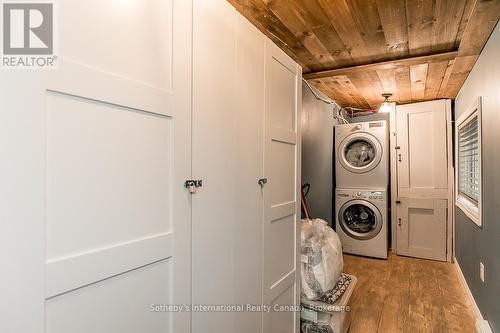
pixel 448 14
pixel 404 84
pixel 481 23
pixel 368 84
pixel 347 87
pixel 324 87
pixel 418 79
pixel 420 18
pixel 318 22
pixel 483 19
pixel 461 69
pixel 469 6
pixel 374 38
pixel 391 64
pixel 367 19
pixel 331 40
pixel 321 54
pixel 446 78
pixel 341 19
pixel 289 16
pixel 387 78
pixel 336 85
pixel 392 15
pixel 312 24
pixel 435 75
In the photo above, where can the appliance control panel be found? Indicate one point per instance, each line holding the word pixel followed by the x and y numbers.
pixel 367 195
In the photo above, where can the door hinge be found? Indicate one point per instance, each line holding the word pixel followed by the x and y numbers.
pixel 192 184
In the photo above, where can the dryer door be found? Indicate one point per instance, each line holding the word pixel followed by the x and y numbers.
pixel 360 219
pixel 360 152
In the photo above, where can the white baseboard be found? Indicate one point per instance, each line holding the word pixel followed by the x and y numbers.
pixel 482 325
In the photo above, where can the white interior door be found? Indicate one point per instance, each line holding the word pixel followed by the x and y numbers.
pixel 423 162
pixel 422 228
pixel 281 208
pixel 95 218
pixel 423 155
pixel 228 131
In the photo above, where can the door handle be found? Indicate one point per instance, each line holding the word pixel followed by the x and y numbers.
pixel 192 185
pixel 262 181
pixel 399 221
pixel 399 158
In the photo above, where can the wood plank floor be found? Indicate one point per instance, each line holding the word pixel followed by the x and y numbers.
pixel 404 294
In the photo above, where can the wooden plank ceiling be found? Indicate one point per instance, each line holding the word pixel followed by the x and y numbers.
pixel 355 50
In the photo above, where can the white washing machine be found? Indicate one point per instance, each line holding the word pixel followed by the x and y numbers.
pixel 362 155
pixel 361 220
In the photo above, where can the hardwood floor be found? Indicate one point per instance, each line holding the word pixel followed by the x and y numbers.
pixel 404 294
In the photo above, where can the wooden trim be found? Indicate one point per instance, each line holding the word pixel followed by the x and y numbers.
pixel 390 64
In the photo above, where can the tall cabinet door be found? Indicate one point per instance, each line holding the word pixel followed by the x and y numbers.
pixel 424 171
pixel 423 155
pixel 95 218
pixel 281 208
pixel 228 132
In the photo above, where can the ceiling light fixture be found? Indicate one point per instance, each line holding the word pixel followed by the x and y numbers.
pixel 386 106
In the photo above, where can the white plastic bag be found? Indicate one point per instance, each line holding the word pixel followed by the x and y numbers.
pixel 321 257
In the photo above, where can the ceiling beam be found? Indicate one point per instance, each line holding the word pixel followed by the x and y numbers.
pixel 391 64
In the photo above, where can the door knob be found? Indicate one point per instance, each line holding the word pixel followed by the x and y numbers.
pixel 399 221
pixel 262 181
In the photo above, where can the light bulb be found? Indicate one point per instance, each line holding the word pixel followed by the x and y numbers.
pixel 385 107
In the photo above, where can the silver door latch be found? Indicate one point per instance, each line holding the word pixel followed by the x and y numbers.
pixel 192 185
pixel 262 181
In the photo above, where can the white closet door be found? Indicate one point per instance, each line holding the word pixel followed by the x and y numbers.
pixel 281 206
pixel 422 228
pixel 228 130
pixel 423 179
pixel 423 155
pixel 95 218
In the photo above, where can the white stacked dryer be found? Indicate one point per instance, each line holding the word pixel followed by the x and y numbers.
pixel 362 179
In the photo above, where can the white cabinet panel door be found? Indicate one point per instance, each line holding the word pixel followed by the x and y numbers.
pixel 422 228
pixel 281 208
pixel 228 132
pixel 95 217
pixel 424 169
pixel 422 137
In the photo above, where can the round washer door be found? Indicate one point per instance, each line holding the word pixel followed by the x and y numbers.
pixel 360 219
pixel 360 152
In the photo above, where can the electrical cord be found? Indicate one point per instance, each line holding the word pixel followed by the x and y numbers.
pixel 337 109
